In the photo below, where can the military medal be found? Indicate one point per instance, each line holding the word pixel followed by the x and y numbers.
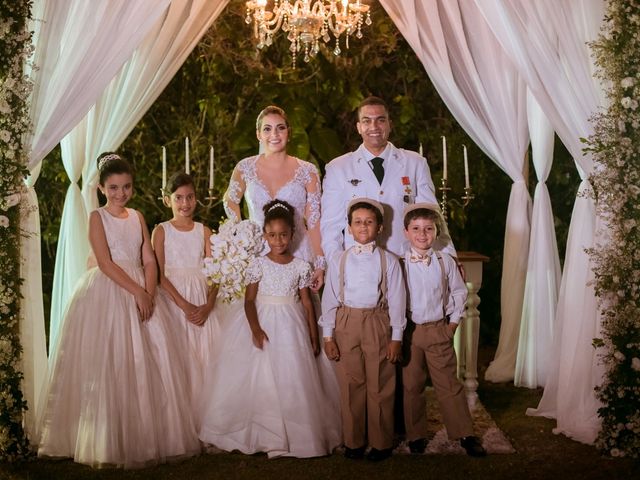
pixel 408 192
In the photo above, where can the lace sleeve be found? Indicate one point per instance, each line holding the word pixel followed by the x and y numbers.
pixel 234 193
pixel 312 209
pixel 312 214
pixel 254 271
pixel 305 275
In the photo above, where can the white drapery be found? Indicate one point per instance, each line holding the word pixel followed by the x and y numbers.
pixel 32 332
pixel 547 41
pixel 78 48
pixel 484 92
pixel 115 114
pixel 72 250
pixel 543 266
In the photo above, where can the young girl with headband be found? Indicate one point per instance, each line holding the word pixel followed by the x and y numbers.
pixel 270 390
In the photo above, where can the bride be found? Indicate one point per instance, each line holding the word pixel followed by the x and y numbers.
pixel 276 174
pixel 237 404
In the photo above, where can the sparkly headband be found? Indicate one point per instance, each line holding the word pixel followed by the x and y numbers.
pixel 277 205
pixel 104 160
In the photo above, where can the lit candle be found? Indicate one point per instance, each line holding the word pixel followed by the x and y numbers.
pixel 211 168
pixel 444 157
pixel 420 150
pixel 466 167
pixel 164 168
pixel 186 155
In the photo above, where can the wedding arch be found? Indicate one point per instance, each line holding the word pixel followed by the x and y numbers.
pixel 510 71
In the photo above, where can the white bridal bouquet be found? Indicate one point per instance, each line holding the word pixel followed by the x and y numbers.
pixel 232 248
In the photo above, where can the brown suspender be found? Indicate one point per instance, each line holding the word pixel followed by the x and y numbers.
pixel 383 267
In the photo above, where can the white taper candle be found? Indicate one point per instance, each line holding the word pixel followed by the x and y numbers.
pixel 186 155
pixel 211 154
pixel 466 167
pixel 164 168
pixel 420 150
pixel 444 157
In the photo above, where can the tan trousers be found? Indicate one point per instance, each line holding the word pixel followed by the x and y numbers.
pixel 431 346
pixel 366 377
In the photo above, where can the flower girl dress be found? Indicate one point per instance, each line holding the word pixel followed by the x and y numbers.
pixel 115 395
pixel 282 399
pixel 184 255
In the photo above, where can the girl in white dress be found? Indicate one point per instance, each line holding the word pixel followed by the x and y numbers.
pixel 271 391
pixel 112 397
pixel 180 245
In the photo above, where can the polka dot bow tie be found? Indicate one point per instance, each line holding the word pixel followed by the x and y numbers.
pixel 368 248
pixel 423 259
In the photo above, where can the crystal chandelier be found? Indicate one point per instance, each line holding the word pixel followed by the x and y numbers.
pixel 307 21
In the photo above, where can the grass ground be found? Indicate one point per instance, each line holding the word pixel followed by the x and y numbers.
pixel 539 455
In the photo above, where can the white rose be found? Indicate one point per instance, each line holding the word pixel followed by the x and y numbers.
pixel 635 364
pixel 627 82
pixel 12 200
pixel 619 356
pixel 626 102
pixel 4 221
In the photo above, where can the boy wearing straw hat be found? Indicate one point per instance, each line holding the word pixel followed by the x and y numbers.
pixel 436 301
pixel 363 317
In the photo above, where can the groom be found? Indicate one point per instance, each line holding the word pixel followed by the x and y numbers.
pixel 378 170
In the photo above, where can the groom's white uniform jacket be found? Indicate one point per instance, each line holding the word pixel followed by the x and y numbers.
pixel 406 180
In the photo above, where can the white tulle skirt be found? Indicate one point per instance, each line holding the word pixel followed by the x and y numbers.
pixel 280 400
pixel 117 391
pixel 199 340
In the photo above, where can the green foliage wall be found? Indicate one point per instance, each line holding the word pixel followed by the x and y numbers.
pixel 216 96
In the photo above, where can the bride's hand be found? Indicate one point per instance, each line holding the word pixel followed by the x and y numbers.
pixel 317 280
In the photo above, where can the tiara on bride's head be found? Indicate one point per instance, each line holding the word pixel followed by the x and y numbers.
pixel 107 158
pixel 277 205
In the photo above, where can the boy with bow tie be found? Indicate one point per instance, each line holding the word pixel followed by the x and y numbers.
pixel 363 317
pixel 436 301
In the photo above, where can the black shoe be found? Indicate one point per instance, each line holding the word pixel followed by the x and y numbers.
pixel 354 453
pixel 376 455
pixel 418 446
pixel 473 446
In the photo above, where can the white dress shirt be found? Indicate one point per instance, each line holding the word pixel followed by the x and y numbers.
pixel 362 277
pixel 406 181
pixel 424 285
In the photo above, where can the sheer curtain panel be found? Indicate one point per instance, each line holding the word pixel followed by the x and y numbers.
pixel 484 92
pixel 547 40
pixel 79 47
pixel 32 332
pixel 543 266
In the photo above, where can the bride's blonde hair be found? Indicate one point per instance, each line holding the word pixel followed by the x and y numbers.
pixel 272 110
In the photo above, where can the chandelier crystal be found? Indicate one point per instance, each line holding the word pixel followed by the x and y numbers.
pixel 306 22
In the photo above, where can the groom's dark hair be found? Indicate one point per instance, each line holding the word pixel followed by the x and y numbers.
pixel 372 101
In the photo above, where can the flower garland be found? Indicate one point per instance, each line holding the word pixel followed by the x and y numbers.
pixel 616 181
pixel 232 249
pixel 15 88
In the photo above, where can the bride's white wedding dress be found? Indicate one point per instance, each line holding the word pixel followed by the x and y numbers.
pixel 295 192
